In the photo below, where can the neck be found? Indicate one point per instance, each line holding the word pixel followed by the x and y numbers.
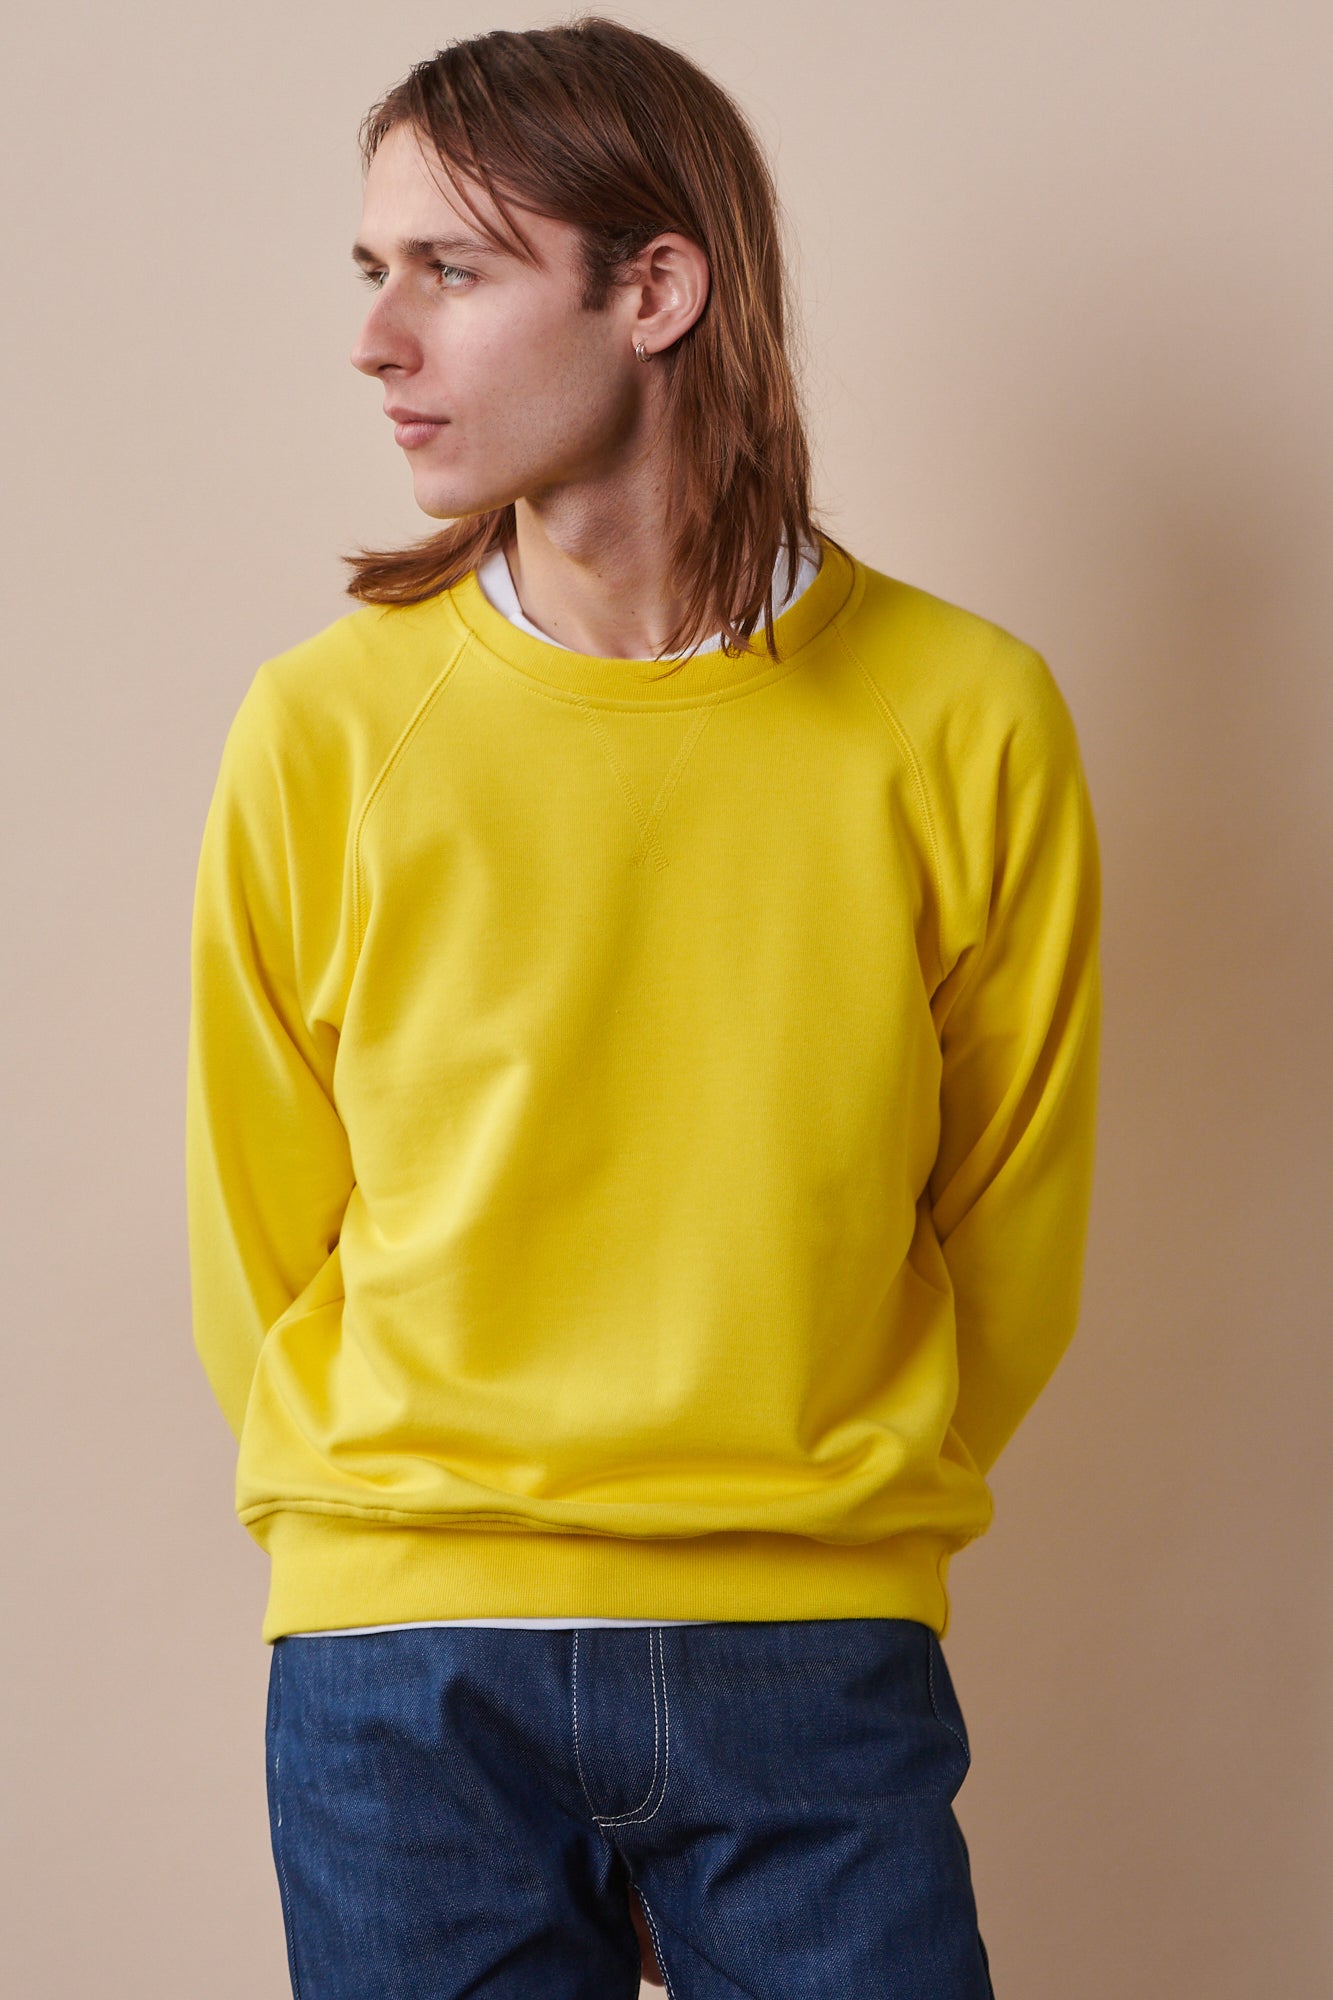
pixel 590 568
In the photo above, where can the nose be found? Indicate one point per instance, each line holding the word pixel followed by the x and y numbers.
pixel 384 340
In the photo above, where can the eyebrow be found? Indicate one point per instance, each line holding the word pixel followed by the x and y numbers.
pixel 430 246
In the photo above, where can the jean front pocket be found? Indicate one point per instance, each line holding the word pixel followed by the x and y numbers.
pixel 944 1699
pixel 876 1711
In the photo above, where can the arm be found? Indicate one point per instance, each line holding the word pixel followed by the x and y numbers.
pixel 1019 1024
pixel 268 1166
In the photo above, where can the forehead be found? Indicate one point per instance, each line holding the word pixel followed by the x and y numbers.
pixel 411 204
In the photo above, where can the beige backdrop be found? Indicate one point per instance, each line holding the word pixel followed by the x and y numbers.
pixel 1067 277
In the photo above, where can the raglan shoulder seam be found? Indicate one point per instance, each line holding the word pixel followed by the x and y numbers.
pixel 393 758
pixel 896 728
pixel 916 764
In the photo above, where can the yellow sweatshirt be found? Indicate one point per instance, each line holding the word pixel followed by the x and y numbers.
pixel 639 1127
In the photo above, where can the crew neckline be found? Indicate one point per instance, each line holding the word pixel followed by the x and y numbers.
pixel 659 683
pixel 497 582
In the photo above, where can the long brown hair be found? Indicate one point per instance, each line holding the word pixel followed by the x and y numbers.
pixel 594 124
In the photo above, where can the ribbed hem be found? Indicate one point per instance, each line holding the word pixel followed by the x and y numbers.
pixel 330 1570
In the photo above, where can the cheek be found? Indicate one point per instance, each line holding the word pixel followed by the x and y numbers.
pixel 548 378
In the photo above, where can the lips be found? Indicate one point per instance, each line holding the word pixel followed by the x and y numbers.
pixel 411 435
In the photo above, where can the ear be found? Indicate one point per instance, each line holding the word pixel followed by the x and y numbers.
pixel 668 291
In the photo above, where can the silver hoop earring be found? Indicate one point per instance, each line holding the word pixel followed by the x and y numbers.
pixel 641 351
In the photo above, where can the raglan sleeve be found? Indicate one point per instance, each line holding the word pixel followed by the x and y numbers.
pixel 268 1168
pixel 1019 1021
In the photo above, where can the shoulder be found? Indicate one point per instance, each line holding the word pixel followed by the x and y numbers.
pixel 327 712
pixel 368 669
pixel 982 720
pixel 933 654
pixel 962 688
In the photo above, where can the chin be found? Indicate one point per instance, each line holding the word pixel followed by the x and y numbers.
pixel 454 505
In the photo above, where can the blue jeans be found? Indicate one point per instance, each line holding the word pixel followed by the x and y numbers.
pixel 460 1811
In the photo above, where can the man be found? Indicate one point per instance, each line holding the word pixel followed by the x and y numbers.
pixel 641 1107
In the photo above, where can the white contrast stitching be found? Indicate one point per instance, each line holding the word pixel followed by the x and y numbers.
pixel 638 1816
pixel 611 1818
pixel 577 1759
pixel 623 1819
pixel 661 1739
pixel 657 1943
